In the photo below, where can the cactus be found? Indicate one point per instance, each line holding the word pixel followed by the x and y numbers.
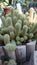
pixel 18 43
pixel 25 22
pixel 18 28
pixel 1 38
pixel 17 38
pixel 11 46
pixel 4 30
pixel 6 39
pixel 8 21
pixel 12 35
pixel 22 39
pixel 12 62
pixel 14 20
pixel 25 38
pixel 31 35
pixel 10 29
pixel 3 21
pixel 25 29
pixel 20 21
pixel 12 11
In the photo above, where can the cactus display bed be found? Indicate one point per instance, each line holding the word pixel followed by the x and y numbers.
pixel 17 34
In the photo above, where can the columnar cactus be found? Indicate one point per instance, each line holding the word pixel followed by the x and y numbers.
pixel 25 29
pixel 14 20
pixel 8 21
pixel 3 21
pixel 1 38
pixel 18 28
pixel 6 39
pixel 12 35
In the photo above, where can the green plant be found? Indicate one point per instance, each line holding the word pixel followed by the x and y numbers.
pixel 1 37
pixel 11 46
pixel 8 21
pixel 18 27
pixel 6 39
pixel 3 21
pixel 12 62
pixel 12 35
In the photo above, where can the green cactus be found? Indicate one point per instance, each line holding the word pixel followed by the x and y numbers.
pixel 12 62
pixel 22 39
pixel 10 29
pixel 14 20
pixel 25 38
pixel 6 39
pixel 18 28
pixel 11 46
pixel 15 12
pixel 31 35
pixel 19 21
pixel 8 21
pixel 25 22
pixel 18 43
pixel 12 12
pixel 21 16
pixel 12 35
pixel 1 38
pixel 3 21
pixel 17 38
pixel 4 30
pixel 25 29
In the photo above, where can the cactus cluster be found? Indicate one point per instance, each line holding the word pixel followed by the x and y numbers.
pixel 17 27
pixel 12 62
